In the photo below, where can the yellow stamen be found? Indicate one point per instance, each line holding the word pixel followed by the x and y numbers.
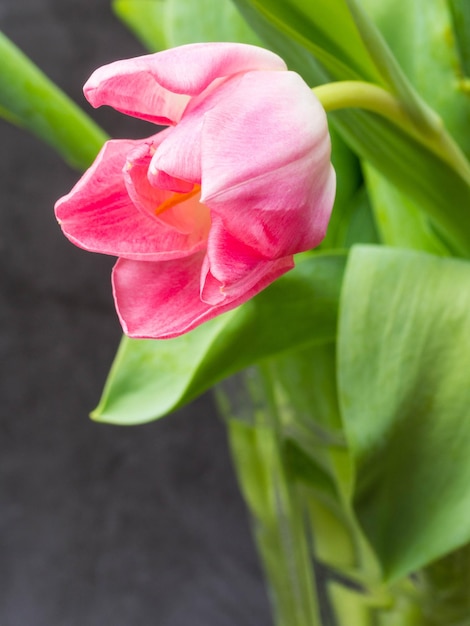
pixel 177 198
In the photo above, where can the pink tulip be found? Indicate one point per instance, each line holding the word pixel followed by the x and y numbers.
pixel 211 210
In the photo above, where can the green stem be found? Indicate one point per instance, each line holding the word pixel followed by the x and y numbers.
pixel 362 95
pixel 276 505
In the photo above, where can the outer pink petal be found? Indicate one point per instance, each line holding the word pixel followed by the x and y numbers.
pixel 161 300
pixel 157 87
pixel 98 214
pixel 266 168
pixel 252 213
pixel 233 267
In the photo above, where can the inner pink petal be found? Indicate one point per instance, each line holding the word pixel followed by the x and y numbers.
pixel 182 211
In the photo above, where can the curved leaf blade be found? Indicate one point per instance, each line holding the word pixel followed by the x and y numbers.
pixel 152 378
pixel 404 359
pixel 30 100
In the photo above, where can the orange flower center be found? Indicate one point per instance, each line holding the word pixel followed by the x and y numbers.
pixel 177 198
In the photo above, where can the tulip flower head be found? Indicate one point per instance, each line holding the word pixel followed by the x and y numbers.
pixel 208 212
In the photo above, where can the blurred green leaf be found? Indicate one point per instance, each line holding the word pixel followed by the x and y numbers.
pixel 404 363
pixel 30 100
pixel 399 220
pixel 279 516
pixel 349 181
pixel 460 11
pixel 325 28
pixel 146 19
pixel 431 184
pixel 162 24
pixel 151 378
pixel 420 34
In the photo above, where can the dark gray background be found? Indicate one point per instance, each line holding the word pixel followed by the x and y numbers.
pixel 98 525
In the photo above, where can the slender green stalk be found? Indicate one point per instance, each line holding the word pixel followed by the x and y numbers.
pixel 276 505
pixel 362 95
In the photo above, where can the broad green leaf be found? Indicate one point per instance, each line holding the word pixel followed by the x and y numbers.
pixel 152 378
pixel 419 33
pixel 460 11
pixel 399 220
pixel 325 28
pixel 206 20
pixel 30 100
pixel 404 363
pixel 162 24
pixel 146 19
pixel 432 185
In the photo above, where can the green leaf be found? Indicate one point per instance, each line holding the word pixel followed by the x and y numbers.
pixel 404 362
pixel 340 49
pixel 30 100
pixel 152 378
pixel 146 19
pixel 350 181
pixel 162 24
pixel 400 221
pixel 460 11
pixel 432 185
pixel 420 35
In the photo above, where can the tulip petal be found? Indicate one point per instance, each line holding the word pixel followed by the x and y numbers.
pixel 279 200
pixel 157 87
pixel 98 214
pixel 161 300
pixel 188 216
pixel 233 267
pixel 291 218
pixel 178 158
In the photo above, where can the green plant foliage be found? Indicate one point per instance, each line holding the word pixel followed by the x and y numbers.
pixel 162 24
pixel 399 220
pixel 460 11
pixel 404 363
pixel 340 49
pixel 422 39
pixel 433 185
pixel 146 19
pixel 150 378
pixel 30 100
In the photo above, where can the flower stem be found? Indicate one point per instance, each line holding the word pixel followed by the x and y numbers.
pixel 362 95
pixel 276 505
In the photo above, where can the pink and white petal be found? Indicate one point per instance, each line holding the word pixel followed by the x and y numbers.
pixel 231 264
pixel 156 87
pixel 98 214
pixel 161 300
pixel 224 283
pixel 178 158
pixel 291 220
pixel 158 300
pixel 145 196
pixel 275 119
pixel 130 87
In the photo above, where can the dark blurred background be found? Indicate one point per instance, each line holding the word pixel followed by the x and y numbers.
pixel 98 524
